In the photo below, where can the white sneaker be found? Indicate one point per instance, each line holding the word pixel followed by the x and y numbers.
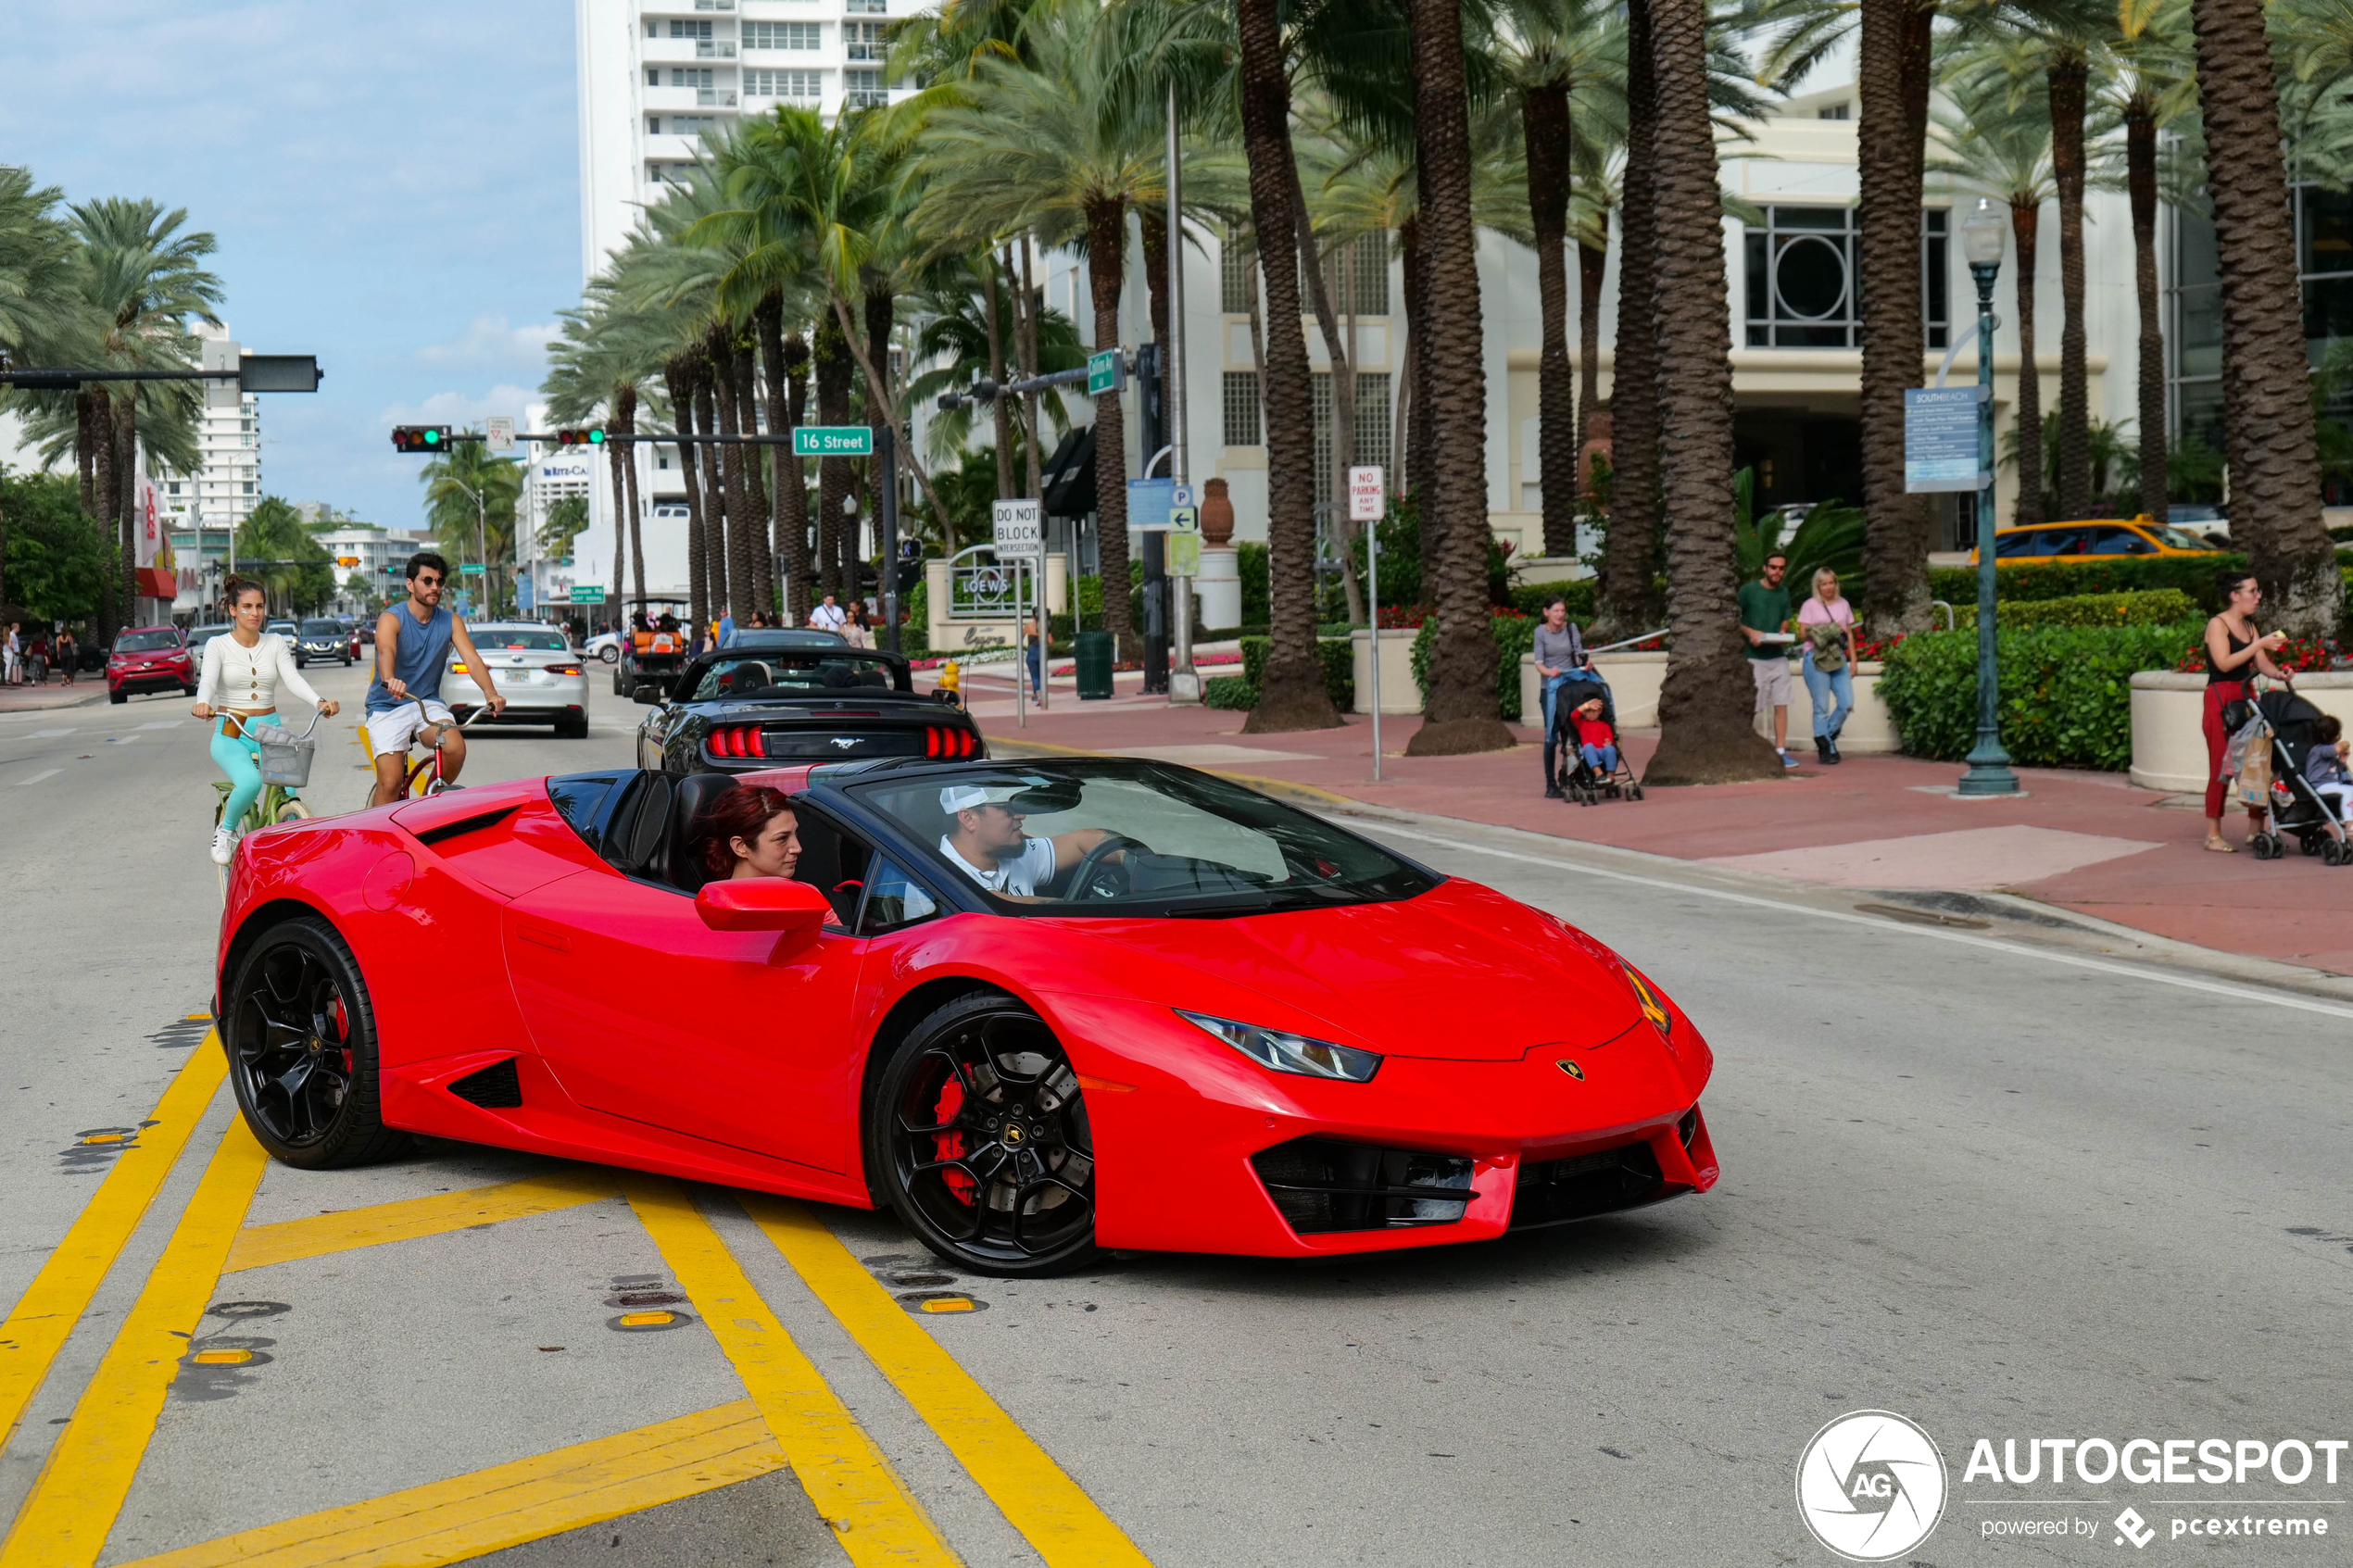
pixel 222 846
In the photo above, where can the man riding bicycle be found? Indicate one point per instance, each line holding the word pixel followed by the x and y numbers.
pixel 413 641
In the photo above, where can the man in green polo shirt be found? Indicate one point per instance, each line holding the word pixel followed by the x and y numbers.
pixel 1765 612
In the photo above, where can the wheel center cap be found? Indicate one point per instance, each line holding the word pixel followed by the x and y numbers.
pixel 315 1045
pixel 1014 1135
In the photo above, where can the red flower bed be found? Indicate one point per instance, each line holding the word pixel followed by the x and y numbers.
pixel 2295 656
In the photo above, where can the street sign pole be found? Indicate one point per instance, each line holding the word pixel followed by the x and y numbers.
pixel 1367 499
pixel 1184 682
pixel 1018 535
pixel 887 459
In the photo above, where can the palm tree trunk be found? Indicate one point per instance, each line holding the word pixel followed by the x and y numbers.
pixel 2067 76
pixel 126 493
pixel 679 380
pixel 1544 125
pixel 791 480
pixel 2140 178
pixel 625 416
pixel 1290 695
pixel 1420 437
pixel 1000 408
pixel 1400 417
pixel 2267 410
pixel 1893 79
pixel 1593 267
pixel 2026 229
pixel 833 365
pixel 1629 598
pixel 620 522
pixel 758 519
pixel 1106 236
pixel 881 308
pixel 1705 705
pixel 742 579
pixel 85 444
pixel 1462 711
pixel 706 456
pixel 1339 348
pixel 786 502
pixel 1033 306
pixel 116 608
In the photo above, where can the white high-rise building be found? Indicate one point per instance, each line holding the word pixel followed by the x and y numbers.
pixel 655 75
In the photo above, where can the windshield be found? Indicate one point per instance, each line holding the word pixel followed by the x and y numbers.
pixel 511 637
pixel 145 642
pixel 1124 837
pixel 2176 539
pixel 792 673
pixel 321 629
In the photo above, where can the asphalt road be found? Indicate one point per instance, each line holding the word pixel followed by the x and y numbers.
pixel 2004 1189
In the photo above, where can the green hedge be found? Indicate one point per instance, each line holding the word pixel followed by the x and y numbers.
pixel 1241 691
pixel 2154 607
pixel 2066 691
pixel 1530 599
pixel 1513 636
pixel 2193 575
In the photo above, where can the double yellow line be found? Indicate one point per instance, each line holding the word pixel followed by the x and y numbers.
pixel 81 1489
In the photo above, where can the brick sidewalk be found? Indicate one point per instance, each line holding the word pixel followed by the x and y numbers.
pixel 2082 841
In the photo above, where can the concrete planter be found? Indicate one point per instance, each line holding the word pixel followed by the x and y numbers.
pixel 1868 729
pixel 2168 711
pixel 1634 680
pixel 1398 692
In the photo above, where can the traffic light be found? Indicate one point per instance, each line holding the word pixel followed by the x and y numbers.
pixel 592 437
pixel 419 438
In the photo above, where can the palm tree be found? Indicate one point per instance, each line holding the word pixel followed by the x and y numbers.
pixel 2000 143
pixel 2267 414
pixel 2151 85
pixel 1046 143
pixel 471 499
pixel 1462 712
pixel 1705 735
pixel 1628 596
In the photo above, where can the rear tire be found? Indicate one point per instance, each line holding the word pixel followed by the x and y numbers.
pixel 572 729
pixel 300 1032
pixel 978 1136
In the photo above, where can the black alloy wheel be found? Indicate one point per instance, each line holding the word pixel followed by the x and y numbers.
pixel 978 1134
pixel 301 1039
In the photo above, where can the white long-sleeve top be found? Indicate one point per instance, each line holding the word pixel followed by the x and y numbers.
pixel 247 678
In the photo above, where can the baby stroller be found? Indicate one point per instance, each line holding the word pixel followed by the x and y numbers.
pixel 1588 786
pixel 2284 723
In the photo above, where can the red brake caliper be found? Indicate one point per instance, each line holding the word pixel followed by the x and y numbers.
pixel 951 1146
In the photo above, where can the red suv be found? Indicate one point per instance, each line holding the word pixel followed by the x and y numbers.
pixel 150 659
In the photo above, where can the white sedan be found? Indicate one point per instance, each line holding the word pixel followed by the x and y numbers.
pixel 604 646
pixel 538 672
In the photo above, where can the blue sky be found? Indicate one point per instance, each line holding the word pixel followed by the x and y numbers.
pixel 395 187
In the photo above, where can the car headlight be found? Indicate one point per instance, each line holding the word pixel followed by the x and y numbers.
pixel 1653 1009
pixel 1286 1052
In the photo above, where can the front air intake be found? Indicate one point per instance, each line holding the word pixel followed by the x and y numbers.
pixel 496 1087
pixel 1322 1185
pixel 1554 1192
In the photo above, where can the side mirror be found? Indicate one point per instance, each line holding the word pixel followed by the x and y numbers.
pixel 764 903
pixel 647 693
pixel 940 693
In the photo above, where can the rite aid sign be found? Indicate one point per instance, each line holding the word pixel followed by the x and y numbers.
pixel 574 467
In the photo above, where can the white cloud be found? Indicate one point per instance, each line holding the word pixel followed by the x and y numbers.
pixel 462 409
pixel 489 340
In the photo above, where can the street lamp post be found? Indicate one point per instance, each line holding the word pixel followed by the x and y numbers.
pixel 1985 235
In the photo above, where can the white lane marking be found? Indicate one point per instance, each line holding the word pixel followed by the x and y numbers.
pixel 167 725
pixel 49 773
pixel 2239 993
pixel 50 734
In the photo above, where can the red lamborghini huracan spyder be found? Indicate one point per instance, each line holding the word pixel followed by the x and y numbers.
pixel 1035 1007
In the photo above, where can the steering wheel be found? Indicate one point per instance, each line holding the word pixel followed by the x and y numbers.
pixel 1095 877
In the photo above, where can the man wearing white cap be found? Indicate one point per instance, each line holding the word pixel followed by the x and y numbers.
pixel 988 843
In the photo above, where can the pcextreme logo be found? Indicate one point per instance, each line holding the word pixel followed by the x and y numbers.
pixel 1871 1486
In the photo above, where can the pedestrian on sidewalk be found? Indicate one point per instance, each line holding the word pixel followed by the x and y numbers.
pixel 829 616
pixel 2325 766
pixel 1560 655
pixel 1827 622
pixel 1764 615
pixel 859 630
pixel 11 653
pixel 1596 741
pixel 69 653
pixel 1033 652
pixel 2235 652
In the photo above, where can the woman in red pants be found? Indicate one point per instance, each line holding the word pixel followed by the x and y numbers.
pixel 2233 649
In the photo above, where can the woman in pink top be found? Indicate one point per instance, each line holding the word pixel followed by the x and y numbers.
pixel 1826 629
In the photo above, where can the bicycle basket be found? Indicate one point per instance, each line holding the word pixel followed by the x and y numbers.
pixel 285 757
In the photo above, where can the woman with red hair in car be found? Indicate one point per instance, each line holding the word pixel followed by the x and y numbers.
pixel 748 831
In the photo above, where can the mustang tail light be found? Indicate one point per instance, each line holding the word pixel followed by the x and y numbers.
pixel 738 740
pixel 939 742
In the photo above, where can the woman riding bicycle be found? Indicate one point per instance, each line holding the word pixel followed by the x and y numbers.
pixel 242 673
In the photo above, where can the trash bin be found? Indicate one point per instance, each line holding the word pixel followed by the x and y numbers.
pixel 1094 665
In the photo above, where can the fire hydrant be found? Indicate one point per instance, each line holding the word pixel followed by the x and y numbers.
pixel 951 680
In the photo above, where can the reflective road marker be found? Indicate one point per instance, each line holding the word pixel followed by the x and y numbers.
pixel 60 1293
pixel 855 1490
pixel 64 1524
pixel 1036 1495
pixel 508 1504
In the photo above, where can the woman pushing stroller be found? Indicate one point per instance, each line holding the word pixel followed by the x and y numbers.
pixel 1562 663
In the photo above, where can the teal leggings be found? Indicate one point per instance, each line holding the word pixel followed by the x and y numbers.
pixel 240 758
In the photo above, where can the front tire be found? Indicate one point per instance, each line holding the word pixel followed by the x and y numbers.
pixel 118 697
pixel 977 1135
pixel 301 1036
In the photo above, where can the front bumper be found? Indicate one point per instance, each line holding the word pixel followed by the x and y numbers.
pixel 151 678
pixel 1196 1153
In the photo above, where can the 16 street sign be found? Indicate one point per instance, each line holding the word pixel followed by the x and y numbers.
pixel 833 440
pixel 1019 527
pixel 1106 372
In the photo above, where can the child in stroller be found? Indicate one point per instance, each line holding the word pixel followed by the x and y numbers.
pixel 2293 728
pixel 1584 736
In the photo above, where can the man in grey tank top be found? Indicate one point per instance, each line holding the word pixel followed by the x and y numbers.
pixel 413 641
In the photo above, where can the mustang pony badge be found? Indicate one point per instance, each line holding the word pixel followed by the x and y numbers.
pixel 1571 1068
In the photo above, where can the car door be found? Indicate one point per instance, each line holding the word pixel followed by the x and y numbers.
pixel 646 1012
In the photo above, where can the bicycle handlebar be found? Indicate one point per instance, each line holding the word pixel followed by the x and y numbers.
pixel 431 723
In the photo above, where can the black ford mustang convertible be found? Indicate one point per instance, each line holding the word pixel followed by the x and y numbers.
pixel 742 709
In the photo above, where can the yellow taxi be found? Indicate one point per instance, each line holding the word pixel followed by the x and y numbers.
pixel 2093 539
